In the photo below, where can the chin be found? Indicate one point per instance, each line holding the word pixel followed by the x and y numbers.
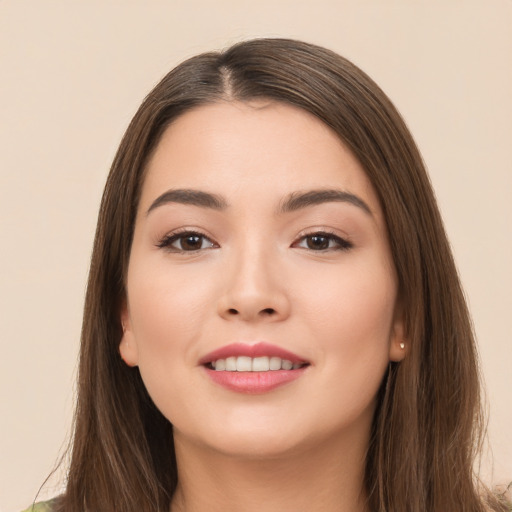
pixel 256 445
pixel 277 439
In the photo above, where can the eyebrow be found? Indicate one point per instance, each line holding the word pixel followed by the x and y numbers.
pixel 190 196
pixel 295 201
pixel 299 200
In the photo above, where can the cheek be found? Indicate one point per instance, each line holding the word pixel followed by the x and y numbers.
pixel 356 305
pixel 166 314
pixel 351 316
pixel 163 297
pixel 167 311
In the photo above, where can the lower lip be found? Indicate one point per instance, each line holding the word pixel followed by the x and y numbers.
pixel 254 382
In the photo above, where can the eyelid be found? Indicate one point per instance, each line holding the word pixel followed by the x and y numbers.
pixel 343 241
pixel 165 241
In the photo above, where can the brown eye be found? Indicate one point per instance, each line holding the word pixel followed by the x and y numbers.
pixel 323 242
pixel 190 242
pixel 185 242
pixel 317 242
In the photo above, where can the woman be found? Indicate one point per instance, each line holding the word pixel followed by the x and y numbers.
pixel 273 318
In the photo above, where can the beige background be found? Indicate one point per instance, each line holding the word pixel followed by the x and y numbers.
pixel 72 75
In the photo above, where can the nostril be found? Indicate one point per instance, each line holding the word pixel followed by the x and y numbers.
pixel 265 312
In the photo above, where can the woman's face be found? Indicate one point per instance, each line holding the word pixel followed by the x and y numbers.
pixel 260 244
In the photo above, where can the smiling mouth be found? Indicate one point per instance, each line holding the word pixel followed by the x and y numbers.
pixel 254 364
pixel 253 368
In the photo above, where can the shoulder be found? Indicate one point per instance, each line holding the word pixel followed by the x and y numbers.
pixel 43 506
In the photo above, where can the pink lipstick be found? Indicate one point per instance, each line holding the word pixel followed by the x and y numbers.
pixel 253 369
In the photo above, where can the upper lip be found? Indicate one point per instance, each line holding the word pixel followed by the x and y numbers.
pixel 255 350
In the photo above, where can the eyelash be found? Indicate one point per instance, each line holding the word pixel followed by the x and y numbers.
pixel 167 241
pixel 341 243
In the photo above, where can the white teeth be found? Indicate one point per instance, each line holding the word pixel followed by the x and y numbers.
pixel 275 363
pixel 231 364
pixel 243 364
pixel 220 365
pixel 286 365
pixel 260 364
pixel 257 364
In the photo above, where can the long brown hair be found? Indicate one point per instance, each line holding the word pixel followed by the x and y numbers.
pixel 428 421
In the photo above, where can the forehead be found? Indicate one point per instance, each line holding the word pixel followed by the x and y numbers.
pixel 260 148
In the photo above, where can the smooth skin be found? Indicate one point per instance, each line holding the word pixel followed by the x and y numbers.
pixel 316 279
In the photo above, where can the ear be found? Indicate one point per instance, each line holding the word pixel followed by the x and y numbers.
pixel 398 345
pixel 128 346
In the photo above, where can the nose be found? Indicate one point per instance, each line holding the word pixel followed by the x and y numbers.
pixel 255 290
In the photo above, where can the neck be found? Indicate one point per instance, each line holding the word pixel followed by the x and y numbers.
pixel 327 478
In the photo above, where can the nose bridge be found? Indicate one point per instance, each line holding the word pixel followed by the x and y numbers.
pixel 253 285
pixel 253 269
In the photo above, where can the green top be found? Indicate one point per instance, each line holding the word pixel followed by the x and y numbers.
pixel 42 506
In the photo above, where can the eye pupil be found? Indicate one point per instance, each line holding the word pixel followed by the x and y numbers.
pixel 317 242
pixel 191 242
